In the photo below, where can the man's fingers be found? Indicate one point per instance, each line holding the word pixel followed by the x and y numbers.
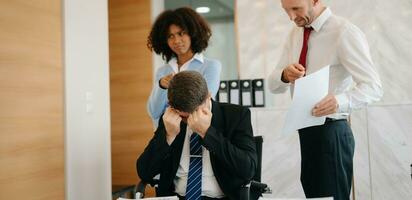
pixel 299 67
pixel 324 101
pixel 325 107
pixel 190 119
pixel 327 111
pixel 294 77
pixel 205 111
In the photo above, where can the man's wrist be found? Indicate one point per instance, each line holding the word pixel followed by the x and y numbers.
pixel 170 139
pixel 282 78
pixel 203 133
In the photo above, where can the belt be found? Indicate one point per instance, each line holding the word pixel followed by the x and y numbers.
pixel 333 120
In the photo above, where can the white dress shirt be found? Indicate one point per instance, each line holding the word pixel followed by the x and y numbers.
pixel 175 67
pixel 210 187
pixel 334 41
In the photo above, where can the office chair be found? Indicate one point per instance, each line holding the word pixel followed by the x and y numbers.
pixel 255 186
pixel 247 192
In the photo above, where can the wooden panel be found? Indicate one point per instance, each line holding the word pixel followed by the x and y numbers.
pixel 31 100
pixel 130 85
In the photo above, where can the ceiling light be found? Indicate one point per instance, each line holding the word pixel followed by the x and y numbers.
pixel 202 9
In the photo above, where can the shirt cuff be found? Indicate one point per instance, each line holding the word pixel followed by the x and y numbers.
pixel 275 83
pixel 343 103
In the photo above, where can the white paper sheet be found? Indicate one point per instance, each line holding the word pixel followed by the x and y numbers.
pixel 308 91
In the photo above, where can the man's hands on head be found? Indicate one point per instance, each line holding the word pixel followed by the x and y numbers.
pixel 328 105
pixel 164 81
pixel 171 120
pixel 199 121
pixel 293 72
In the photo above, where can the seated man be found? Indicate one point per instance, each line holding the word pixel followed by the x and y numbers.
pixel 202 149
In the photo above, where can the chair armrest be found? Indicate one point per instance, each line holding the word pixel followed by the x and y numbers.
pixel 140 190
pixel 245 192
pixel 255 187
pixel 261 187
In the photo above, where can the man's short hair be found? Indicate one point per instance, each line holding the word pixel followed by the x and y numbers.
pixel 187 90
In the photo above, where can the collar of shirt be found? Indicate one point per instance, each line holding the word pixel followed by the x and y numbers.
pixel 173 62
pixel 321 19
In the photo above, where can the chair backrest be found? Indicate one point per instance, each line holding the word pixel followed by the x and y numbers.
pixel 259 143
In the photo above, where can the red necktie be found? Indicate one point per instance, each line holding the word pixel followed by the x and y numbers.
pixel 304 51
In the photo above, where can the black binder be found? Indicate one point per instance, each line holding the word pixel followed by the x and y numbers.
pixel 234 92
pixel 246 92
pixel 223 94
pixel 258 93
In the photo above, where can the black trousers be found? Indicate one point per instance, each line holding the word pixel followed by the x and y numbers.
pixel 327 159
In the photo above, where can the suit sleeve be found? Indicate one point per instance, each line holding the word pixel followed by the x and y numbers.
pixel 150 161
pixel 238 153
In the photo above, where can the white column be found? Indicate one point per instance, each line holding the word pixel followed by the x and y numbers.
pixel 87 100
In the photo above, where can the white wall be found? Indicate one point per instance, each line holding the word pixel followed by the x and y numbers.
pixel 87 107
pixel 222 47
pixel 157 7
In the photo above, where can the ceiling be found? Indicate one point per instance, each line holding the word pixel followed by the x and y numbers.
pixel 219 9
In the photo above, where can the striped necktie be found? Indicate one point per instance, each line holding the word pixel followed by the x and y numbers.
pixel 194 180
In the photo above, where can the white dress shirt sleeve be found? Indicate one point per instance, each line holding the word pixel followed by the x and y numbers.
pixel 354 55
pixel 275 84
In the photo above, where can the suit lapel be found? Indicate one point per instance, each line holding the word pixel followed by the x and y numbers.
pixel 217 118
pixel 218 124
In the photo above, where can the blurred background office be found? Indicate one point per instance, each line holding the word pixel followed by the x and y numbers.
pixel 75 76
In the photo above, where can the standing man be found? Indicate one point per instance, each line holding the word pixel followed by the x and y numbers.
pixel 321 39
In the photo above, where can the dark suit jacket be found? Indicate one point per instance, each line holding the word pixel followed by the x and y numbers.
pixel 229 140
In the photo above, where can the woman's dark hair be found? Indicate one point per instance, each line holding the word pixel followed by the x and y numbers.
pixel 188 20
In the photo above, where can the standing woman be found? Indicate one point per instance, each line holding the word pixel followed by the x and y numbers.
pixel 180 36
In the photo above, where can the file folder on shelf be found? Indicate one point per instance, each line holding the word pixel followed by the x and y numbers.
pixel 234 92
pixel 223 93
pixel 246 92
pixel 258 93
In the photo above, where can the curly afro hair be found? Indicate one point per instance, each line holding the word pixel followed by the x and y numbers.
pixel 188 20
